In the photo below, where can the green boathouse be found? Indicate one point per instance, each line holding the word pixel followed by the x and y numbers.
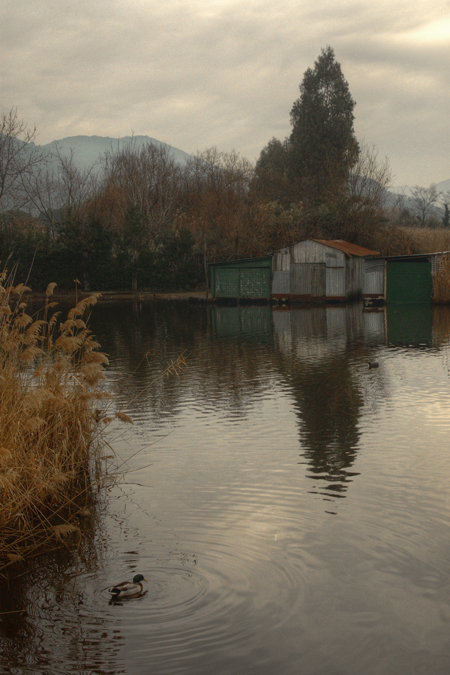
pixel 247 279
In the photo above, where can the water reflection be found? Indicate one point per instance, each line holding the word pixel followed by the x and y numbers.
pixel 317 354
pixel 321 350
pixel 409 325
pixel 50 618
pixel 248 323
pixel 235 466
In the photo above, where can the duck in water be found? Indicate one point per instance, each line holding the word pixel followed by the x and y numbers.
pixel 127 589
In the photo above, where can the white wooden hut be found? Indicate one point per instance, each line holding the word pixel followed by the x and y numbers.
pixel 319 270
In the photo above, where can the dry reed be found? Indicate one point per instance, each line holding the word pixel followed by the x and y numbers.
pixel 441 281
pixel 50 432
pixel 427 239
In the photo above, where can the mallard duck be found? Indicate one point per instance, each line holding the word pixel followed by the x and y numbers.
pixel 128 589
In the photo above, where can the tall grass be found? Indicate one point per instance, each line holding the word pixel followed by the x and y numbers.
pixel 441 281
pixel 427 239
pixel 395 240
pixel 50 433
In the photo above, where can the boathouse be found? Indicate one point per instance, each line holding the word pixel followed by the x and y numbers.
pixel 403 279
pixel 319 270
pixel 248 279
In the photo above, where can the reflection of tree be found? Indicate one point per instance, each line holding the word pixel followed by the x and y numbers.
pixel 328 402
pixel 229 368
pixel 317 349
pixel 144 337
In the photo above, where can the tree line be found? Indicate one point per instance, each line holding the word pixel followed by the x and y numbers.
pixel 138 219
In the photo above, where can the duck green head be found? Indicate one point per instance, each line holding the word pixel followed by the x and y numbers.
pixel 138 578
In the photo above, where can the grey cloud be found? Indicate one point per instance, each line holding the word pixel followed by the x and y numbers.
pixel 196 74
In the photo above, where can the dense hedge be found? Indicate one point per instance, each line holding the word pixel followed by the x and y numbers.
pixel 98 259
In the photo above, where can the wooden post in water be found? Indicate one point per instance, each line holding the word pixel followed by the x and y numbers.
pixel 206 271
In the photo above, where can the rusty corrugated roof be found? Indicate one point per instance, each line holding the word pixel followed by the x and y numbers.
pixel 346 247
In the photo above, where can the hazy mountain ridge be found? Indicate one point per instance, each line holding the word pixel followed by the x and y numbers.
pixel 87 150
pixel 406 190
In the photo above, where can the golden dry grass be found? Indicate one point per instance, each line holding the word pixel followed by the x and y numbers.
pixel 395 240
pixel 50 433
pixel 427 239
pixel 441 282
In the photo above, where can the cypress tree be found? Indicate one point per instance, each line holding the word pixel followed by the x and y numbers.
pixel 323 146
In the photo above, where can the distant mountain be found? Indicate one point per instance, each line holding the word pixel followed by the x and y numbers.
pixel 444 186
pixel 406 190
pixel 88 149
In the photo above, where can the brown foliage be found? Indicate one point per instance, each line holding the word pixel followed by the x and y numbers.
pixel 429 240
pixel 143 177
pixel 214 203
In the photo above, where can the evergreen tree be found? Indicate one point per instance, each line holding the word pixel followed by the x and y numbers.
pixel 271 173
pixel 323 146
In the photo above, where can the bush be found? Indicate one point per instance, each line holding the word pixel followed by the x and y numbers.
pixel 172 263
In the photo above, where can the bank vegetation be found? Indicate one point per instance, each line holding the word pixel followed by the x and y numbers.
pixel 138 219
pixel 51 434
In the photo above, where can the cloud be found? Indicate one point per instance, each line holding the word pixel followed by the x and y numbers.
pixel 219 72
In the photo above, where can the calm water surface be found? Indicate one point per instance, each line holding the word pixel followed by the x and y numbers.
pixel 289 506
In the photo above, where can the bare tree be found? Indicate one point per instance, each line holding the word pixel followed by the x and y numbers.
pixel 18 157
pixel 58 190
pixel 141 185
pixel 370 179
pixel 358 208
pixel 424 202
pixel 216 185
pixel 143 177
pixel 445 203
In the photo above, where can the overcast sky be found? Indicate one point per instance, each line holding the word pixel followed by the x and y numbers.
pixel 226 72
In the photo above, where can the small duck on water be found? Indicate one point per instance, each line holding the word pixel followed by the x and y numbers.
pixel 373 364
pixel 127 589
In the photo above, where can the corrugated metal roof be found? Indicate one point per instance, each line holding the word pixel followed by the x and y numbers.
pixel 234 261
pixel 415 256
pixel 346 247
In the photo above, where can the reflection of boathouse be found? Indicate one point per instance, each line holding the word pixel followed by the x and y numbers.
pixel 245 324
pixel 319 270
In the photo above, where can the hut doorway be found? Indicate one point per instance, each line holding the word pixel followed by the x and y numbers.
pixel 335 278
pixel 308 282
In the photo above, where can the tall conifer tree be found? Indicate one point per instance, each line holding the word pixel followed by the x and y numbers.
pixel 323 146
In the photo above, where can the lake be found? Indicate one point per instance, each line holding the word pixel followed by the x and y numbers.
pixel 288 505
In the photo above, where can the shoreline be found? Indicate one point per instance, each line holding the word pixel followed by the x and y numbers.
pixel 114 296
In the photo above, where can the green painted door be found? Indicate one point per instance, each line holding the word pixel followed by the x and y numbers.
pixel 227 282
pixel 408 282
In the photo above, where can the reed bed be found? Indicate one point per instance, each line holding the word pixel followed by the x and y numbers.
pixel 427 239
pixel 441 281
pixel 51 432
